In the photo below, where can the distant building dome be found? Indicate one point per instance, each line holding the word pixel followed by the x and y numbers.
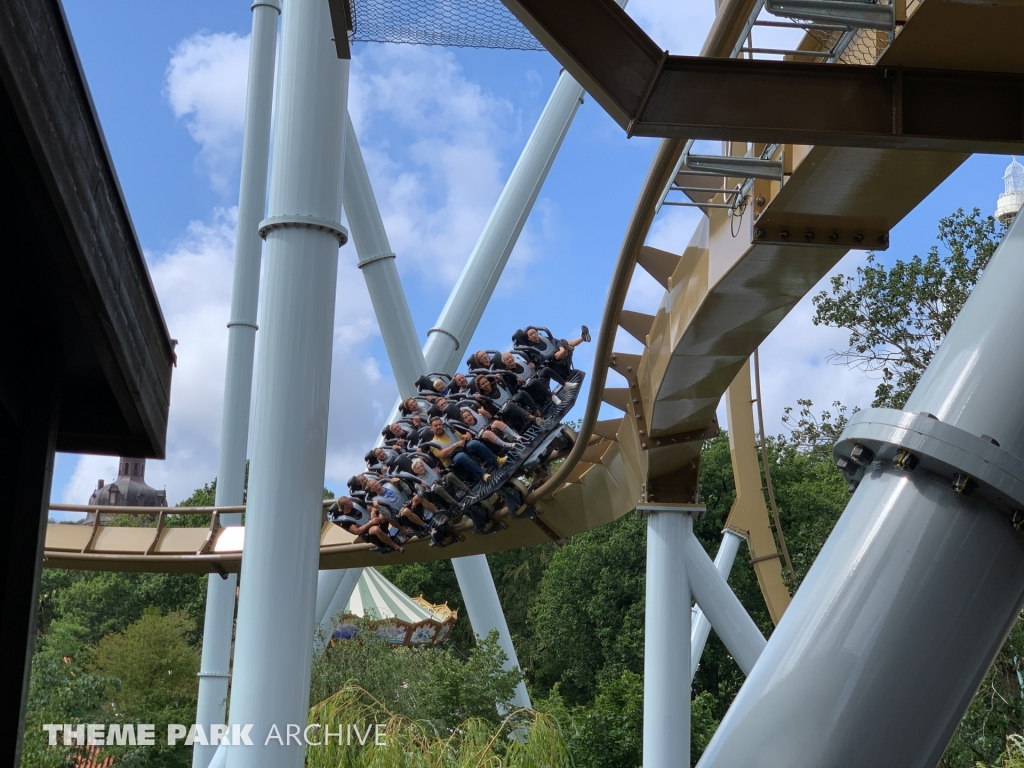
pixel 129 489
pixel 1012 199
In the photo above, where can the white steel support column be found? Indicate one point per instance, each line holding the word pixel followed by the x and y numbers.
pixel 339 598
pixel 252 196
pixel 666 642
pixel 273 648
pixel 377 262
pixel 466 304
pixel 910 599
pixel 484 609
pixel 730 619
pixel 701 627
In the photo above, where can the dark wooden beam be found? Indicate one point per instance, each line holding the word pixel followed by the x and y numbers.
pixel 341 25
pixel 650 93
pixel 26 468
pixel 70 239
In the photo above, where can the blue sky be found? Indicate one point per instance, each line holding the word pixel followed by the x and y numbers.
pixel 440 130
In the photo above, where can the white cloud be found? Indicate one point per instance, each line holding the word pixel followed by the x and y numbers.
pixel 682 27
pixel 82 482
pixel 206 84
pixel 679 27
pixel 193 282
pixel 794 364
pixel 433 142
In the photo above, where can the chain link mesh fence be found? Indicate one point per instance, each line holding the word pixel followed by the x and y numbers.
pixel 454 23
pixel 865 48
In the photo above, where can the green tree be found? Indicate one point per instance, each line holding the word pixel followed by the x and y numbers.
pixel 149 673
pixel 151 665
pixel 427 684
pixel 589 615
pixel 61 690
pixel 610 733
pixel 101 602
pixel 897 317
pixel 996 713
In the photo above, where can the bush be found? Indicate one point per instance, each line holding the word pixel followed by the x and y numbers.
pixel 427 684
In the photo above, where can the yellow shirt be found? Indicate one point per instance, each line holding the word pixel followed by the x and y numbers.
pixel 444 440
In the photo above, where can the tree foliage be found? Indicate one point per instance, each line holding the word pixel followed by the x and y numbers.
pixel 150 667
pixel 989 732
pixel 427 684
pixel 898 316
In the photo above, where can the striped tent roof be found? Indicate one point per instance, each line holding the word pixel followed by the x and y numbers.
pixel 396 617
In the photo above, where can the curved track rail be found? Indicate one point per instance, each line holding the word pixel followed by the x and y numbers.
pixel 724 293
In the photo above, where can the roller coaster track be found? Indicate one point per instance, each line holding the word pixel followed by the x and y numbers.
pixel 741 273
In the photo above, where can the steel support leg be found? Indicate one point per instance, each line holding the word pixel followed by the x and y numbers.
pixel 461 315
pixel 908 602
pixel 220 593
pixel 666 642
pixel 339 599
pixel 701 627
pixel 485 613
pixel 273 649
pixel 454 329
pixel 377 262
pixel 730 619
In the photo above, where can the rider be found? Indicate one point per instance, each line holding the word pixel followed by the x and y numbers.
pixel 460 452
pixel 359 521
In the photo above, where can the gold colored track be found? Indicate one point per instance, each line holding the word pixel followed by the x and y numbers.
pixel 724 293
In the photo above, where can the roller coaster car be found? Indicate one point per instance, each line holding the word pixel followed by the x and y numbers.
pixel 540 441
pixel 455 498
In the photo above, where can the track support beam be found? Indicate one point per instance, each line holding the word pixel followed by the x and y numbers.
pixel 650 93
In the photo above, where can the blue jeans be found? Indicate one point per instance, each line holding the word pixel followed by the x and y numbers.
pixel 474 449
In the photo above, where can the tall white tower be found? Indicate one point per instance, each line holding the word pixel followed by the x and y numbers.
pixel 1013 197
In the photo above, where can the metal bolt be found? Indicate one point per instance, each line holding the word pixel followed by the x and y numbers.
pixel 834 237
pixel 861 454
pixel 644 446
pixel 639 416
pixel 642 433
pixel 809 236
pixel 964 484
pixel 784 234
pixel 636 400
pixel 760 200
pixel 905 460
pixel 883 239
pixel 759 234
pixel 629 369
pixel 858 239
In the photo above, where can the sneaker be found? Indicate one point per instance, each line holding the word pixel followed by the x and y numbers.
pixel 501 460
pixel 586 333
